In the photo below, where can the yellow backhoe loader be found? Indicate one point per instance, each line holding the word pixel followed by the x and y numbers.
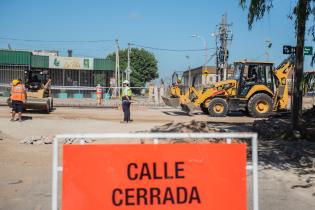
pixel 256 87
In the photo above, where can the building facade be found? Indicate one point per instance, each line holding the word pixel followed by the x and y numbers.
pixel 63 71
pixel 196 76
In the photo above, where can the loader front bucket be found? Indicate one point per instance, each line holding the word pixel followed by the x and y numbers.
pixel 172 102
pixel 188 108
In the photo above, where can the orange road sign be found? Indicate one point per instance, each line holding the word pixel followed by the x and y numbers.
pixel 164 177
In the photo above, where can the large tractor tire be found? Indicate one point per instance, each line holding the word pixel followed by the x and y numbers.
pixel 204 109
pixel 218 107
pixel 260 105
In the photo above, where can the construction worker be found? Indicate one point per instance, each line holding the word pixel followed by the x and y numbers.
pixel 18 97
pixel 99 94
pixel 252 75
pixel 126 101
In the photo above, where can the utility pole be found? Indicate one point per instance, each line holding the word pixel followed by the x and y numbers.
pixel 223 39
pixel 189 74
pixel 128 69
pixel 223 35
pixel 117 69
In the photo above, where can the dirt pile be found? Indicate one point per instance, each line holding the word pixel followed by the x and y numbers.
pixel 192 127
pixel 279 127
pixel 272 128
pixel 309 123
pixel 186 127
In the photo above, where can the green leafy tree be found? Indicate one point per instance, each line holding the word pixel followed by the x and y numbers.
pixel 302 12
pixel 143 65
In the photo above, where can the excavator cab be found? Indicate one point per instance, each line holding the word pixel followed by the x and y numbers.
pixel 35 79
pixel 250 74
pixel 37 83
pixel 39 96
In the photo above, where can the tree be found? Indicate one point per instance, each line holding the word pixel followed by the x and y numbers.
pixel 301 13
pixel 143 65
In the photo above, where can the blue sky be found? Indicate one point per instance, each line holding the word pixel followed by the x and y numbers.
pixel 158 23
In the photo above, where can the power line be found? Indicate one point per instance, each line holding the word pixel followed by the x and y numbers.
pixel 56 41
pixel 99 41
pixel 171 50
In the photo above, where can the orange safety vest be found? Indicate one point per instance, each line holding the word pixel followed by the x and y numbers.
pixel 18 93
pixel 99 90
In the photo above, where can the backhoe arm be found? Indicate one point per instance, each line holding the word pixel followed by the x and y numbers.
pixel 282 77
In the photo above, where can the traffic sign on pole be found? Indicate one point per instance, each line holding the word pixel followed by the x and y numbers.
pixel 308 50
pixel 287 49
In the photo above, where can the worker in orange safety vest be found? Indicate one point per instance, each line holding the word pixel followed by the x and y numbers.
pixel 18 98
pixel 99 94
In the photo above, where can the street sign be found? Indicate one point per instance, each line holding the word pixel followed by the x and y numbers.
pixel 308 50
pixel 287 49
pixel 150 177
pixel 128 71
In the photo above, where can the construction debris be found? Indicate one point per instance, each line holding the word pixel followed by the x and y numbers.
pixel 278 127
pixel 77 141
pixel 46 140
pixel 192 127
pixel 187 127
pixel 36 140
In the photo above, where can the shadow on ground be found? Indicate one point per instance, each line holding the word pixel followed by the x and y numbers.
pixel 180 113
pixel 24 118
pixel 297 156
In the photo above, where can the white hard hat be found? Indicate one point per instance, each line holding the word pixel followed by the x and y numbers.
pixel 126 82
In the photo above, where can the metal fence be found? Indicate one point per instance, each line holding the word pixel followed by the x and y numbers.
pixel 77 96
pixel 11 72
pixel 252 166
pixel 60 77
pixel 80 92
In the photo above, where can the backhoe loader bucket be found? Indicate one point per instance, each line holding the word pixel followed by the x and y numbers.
pixel 188 108
pixel 172 102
